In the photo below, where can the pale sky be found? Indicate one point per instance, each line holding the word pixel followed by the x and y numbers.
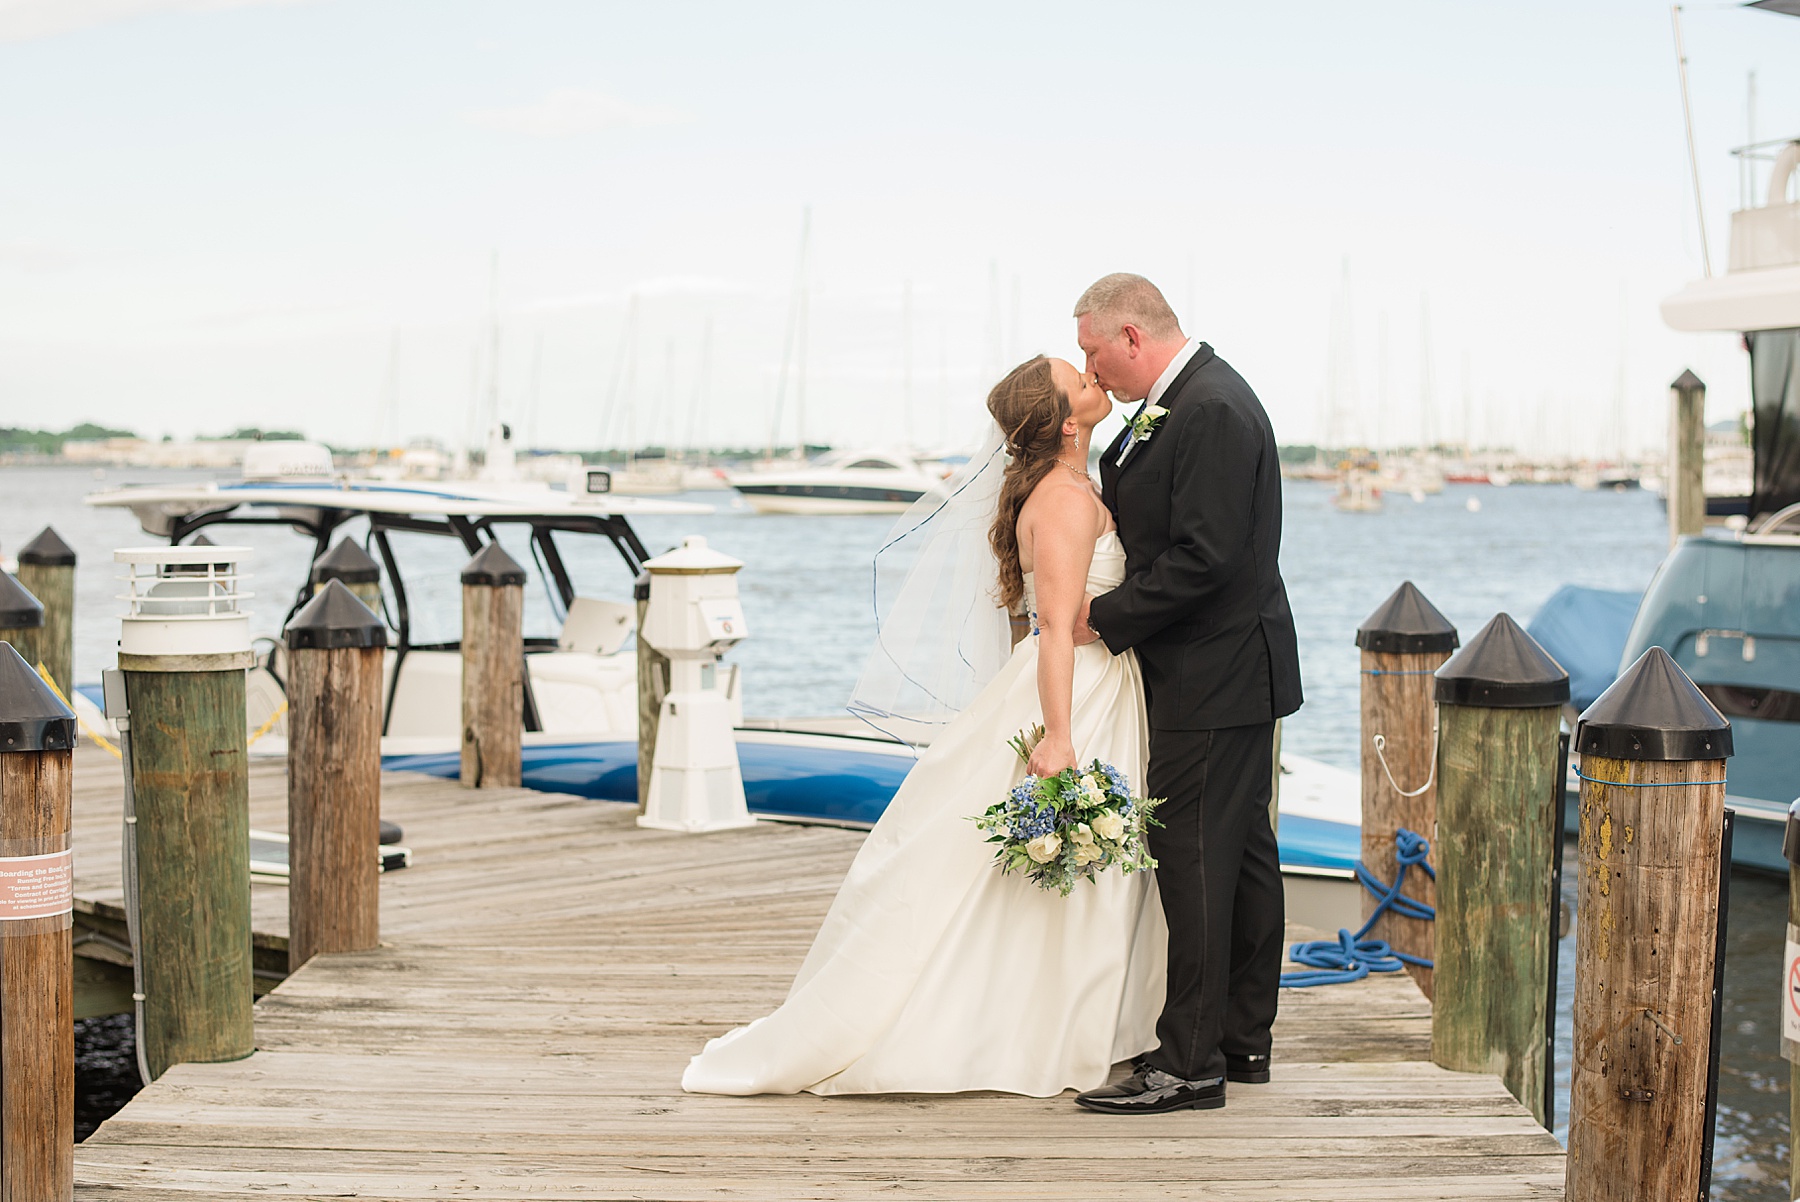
pixel 216 214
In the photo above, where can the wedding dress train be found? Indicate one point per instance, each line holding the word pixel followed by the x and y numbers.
pixel 935 973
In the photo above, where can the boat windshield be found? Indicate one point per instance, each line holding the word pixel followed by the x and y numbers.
pixel 1775 388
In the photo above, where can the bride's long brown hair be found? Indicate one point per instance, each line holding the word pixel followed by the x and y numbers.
pixel 1030 410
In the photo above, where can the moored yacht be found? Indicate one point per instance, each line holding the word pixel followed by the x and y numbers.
pixel 839 482
pixel 1722 603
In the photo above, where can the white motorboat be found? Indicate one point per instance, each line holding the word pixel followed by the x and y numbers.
pixel 839 482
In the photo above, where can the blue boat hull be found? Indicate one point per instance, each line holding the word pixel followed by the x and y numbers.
pixel 817 783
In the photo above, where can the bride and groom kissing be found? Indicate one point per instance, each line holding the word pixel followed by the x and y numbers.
pixel 1161 643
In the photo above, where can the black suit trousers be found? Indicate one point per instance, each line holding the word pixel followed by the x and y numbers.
pixel 1219 874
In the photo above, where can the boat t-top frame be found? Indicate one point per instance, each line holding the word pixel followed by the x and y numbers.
pixel 471 515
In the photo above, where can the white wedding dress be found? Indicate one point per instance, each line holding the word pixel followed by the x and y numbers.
pixel 935 973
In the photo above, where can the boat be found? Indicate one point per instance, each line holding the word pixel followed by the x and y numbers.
pixel 872 481
pixel 581 683
pixel 1358 492
pixel 1722 602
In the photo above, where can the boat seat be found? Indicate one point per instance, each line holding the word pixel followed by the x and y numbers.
pixel 597 626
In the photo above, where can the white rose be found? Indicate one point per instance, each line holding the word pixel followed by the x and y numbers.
pixel 1094 796
pixel 1108 825
pixel 1043 849
pixel 1087 853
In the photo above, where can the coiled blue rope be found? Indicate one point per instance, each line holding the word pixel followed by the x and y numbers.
pixel 1352 957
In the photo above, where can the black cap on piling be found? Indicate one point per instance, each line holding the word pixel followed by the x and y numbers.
pixel 347 562
pixel 48 550
pixel 493 566
pixel 32 718
pixel 1502 668
pixel 1687 381
pixel 19 610
pixel 1654 712
pixel 200 540
pixel 1406 623
pixel 335 618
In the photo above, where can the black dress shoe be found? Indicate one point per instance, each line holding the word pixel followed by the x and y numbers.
pixel 1247 1070
pixel 1152 1091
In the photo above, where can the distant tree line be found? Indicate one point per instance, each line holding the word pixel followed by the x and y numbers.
pixel 17 440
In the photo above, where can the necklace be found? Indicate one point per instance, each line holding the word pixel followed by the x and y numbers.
pixel 1073 468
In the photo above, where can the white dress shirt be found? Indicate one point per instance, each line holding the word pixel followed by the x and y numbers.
pixel 1170 372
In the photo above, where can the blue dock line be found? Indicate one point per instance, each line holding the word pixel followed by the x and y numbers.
pixel 1399 671
pixel 1644 784
pixel 1352 957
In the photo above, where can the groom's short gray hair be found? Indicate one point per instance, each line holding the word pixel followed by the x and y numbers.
pixel 1121 299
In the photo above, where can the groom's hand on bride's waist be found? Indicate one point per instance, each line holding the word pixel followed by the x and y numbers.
pixel 1084 630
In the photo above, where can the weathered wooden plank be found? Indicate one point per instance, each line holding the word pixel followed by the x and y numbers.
pixel 523 1034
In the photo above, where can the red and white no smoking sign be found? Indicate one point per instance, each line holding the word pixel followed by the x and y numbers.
pixel 1790 995
pixel 37 886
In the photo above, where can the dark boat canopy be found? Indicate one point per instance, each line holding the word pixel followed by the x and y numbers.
pixel 1775 393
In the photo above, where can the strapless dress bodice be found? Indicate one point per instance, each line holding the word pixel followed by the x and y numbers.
pixel 1105 573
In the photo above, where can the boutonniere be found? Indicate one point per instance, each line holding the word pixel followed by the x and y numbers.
pixel 1145 423
pixel 1140 428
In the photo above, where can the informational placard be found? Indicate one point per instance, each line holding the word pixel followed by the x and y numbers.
pixel 37 886
pixel 1790 996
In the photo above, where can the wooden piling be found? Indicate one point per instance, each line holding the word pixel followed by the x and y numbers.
pixel 37 984
pixel 335 644
pixel 1652 812
pixel 493 669
pixel 1790 996
pixel 1500 714
pixel 21 621
pixel 191 780
pixel 47 569
pixel 1403 642
pixel 1687 456
pixel 652 687
pixel 351 564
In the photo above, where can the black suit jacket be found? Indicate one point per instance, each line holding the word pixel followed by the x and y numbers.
pixel 1199 511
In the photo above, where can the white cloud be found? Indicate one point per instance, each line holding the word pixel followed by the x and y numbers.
pixel 26 20
pixel 570 111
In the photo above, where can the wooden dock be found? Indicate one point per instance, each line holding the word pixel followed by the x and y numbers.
pixel 548 968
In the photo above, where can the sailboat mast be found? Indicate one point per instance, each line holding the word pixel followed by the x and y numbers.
pixel 531 411
pixel 390 423
pixel 906 383
pixel 1427 405
pixel 494 343
pixel 1381 382
pixel 794 340
pixel 627 336
pixel 696 406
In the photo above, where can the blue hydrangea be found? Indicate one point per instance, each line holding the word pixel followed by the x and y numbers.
pixel 1117 780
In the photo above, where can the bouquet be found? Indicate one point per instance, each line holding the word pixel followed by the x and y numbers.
pixel 1069 827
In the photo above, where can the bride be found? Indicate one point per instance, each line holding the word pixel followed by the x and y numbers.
pixel 933 972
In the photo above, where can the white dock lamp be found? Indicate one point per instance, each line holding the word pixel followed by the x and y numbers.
pixel 694 616
pixel 185 605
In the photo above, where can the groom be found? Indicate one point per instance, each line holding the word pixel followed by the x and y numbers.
pixel 1194 483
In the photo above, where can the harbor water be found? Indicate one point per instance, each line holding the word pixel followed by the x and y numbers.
pixel 807 595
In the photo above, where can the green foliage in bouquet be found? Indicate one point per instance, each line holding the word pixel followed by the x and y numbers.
pixel 1069 827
